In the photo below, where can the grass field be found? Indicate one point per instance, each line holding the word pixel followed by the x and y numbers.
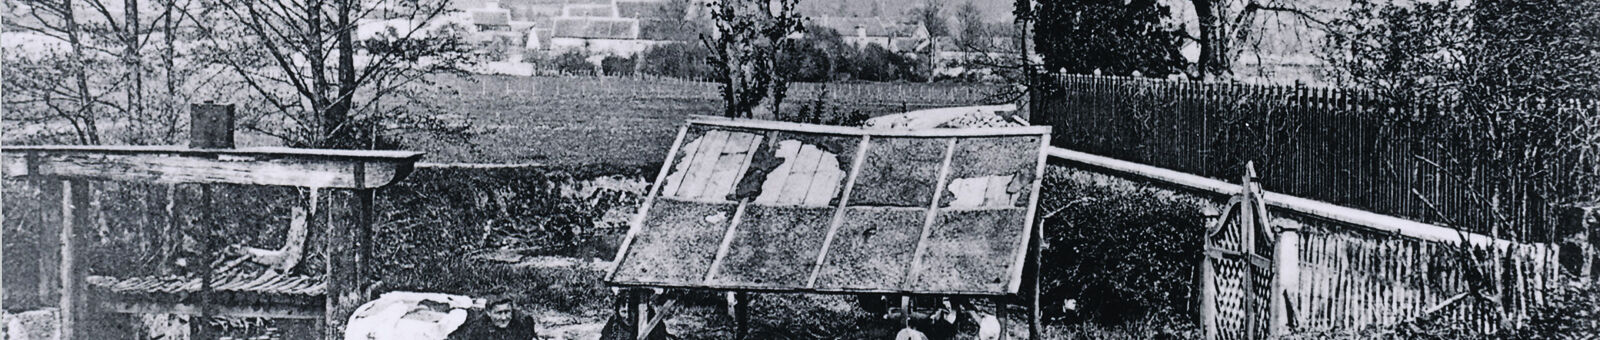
pixel 631 122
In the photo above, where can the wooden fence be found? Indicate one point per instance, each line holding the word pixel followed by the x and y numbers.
pixel 1310 266
pixel 1345 147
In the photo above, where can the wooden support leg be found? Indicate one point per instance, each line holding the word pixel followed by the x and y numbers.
pixel 1000 315
pixel 1035 312
pixel 905 310
pixel 347 282
pixel 640 306
pixel 72 217
pixel 741 315
pixel 203 231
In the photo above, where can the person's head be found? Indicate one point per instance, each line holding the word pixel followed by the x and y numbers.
pixel 500 310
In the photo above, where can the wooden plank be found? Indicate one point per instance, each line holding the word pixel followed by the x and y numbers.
pixel 729 167
pixel 824 181
pixel 997 194
pixel 772 188
pixel 698 172
pixel 302 168
pixel 843 130
pixel 672 172
pixel 801 173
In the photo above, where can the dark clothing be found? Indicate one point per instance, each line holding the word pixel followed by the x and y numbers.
pixel 481 328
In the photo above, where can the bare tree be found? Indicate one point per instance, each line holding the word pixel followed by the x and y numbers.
pixel 316 86
pixel 745 43
pixel 1228 27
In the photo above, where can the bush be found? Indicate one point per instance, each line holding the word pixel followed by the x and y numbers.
pixel 677 60
pixel 574 63
pixel 1124 253
pixel 819 112
pixel 615 66
pixel 876 63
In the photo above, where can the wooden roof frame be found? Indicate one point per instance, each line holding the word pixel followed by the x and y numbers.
pixel 358 170
pixel 1017 264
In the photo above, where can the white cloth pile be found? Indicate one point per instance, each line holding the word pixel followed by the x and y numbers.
pixel 410 316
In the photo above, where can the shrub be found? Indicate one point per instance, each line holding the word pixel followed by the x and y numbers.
pixel 676 60
pixel 1124 253
pixel 574 63
pixel 819 112
pixel 617 66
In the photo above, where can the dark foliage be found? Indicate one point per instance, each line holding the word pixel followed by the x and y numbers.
pixel 1115 37
pixel 818 111
pixel 574 63
pixel 876 63
pixel 617 66
pixel 1122 253
pixel 677 60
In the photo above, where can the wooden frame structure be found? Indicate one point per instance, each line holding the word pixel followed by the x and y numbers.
pixel 733 173
pixel 211 161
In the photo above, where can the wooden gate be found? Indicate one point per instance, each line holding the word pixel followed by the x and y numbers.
pixel 1242 297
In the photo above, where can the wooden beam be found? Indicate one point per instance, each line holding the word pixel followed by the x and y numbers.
pixel 1329 211
pixel 855 131
pixel 264 311
pixel 168 164
pixel 662 314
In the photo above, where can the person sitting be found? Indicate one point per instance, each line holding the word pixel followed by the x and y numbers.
pixel 499 321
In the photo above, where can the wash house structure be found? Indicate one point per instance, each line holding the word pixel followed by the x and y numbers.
pixel 758 206
pixel 336 187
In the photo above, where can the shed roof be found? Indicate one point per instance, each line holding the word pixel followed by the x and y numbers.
pixel 233 275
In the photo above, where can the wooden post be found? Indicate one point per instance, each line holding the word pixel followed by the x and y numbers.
pixel 1208 279
pixel 1000 316
pixel 49 251
pixel 73 199
pixel 741 315
pixel 641 313
pixel 1035 310
pixel 348 243
pixel 1286 281
pixel 210 126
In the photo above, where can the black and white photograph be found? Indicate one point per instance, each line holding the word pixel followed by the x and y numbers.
pixel 799 169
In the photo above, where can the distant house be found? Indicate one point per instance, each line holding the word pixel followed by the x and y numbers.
pixel 491 17
pixel 863 31
pixel 614 36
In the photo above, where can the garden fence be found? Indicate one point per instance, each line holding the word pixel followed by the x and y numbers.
pixel 1346 147
pixel 1338 164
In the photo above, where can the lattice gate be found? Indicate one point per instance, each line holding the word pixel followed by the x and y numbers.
pixel 1241 296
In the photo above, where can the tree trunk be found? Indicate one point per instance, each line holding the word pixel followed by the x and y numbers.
pixel 1213 39
pixel 349 136
pixel 132 59
pixel 86 113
